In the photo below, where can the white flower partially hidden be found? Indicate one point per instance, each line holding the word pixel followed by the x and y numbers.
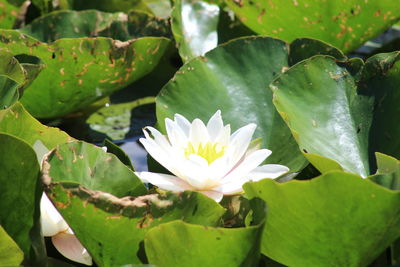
pixel 206 158
pixel 62 236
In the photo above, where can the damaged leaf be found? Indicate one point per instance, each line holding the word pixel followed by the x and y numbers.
pixel 18 122
pixel 342 23
pixel 81 70
pixel 99 218
pixel 93 23
pixel 88 165
pixel 182 244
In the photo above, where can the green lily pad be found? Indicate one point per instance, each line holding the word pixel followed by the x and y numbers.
pixel 82 70
pixel 230 27
pixel 329 107
pixel 160 8
pixel 9 66
pixel 117 151
pixel 72 24
pixel 12 77
pixel 93 23
pixel 194 24
pixel 20 197
pixel 8 14
pixel 181 244
pixel 90 166
pixel 345 24
pixel 10 253
pixel 16 73
pixel 120 121
pixel 337 219
pixel 379 80
pixel 388 173
pixel 99 218
pixel 32 67
pixel 18 122
pixel 109 5
pixel 316 98
pixel 233 78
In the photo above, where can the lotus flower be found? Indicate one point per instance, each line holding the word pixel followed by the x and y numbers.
pixel 206 158
pixel 62 236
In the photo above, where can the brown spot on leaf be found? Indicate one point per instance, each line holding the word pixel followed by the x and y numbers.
pixel 60 205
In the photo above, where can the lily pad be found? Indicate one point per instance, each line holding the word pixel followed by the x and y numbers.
pixel 181 244
pixel 98 219
pixel 194 24
pixel 345 24
pixel 20 196
pixel 10 253
pixel 90 166
pixel 337 219
pixel 340 114
pixel 93 23
pixel 121 121
pixel 234 78
pixel 380 79
pixel 109 5
pixel 388 173
pixel 18 122
pixel 12 77
pixel 82 70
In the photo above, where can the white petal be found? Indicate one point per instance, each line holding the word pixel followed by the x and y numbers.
pixel 198 133
pixel 217 196
pixel 232 186
pixel 203 163
pixel 183 124
pixel 248 164
pixel 70 247
pixel 164 181
pixel 219 167
pixel 240 141
pixel 196 174
pixel 267 171
pixel 176 135
pixel 158 137
pixel 166 158
pixel 215 126
pixel 104 148
pixel 224 136
pixel 51 220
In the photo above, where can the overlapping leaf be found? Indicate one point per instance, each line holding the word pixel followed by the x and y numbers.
pixel 182 244
pixel 20 196
pixel 11 78
pixel 93 23
pixel 345 24
pixel 337 219
pixel 18 122
pixel 76 172
pixel 194 24
pixel 10 253
pixel 82 70
pixel 234 78
pixel 119 121
pixel 342 114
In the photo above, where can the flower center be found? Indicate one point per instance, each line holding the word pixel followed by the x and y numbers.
pixel 209 151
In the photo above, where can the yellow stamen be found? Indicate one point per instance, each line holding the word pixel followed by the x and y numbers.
pixel 209 151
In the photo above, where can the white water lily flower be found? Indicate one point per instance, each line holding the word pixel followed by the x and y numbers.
pixel 62 236
pixel 206 158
